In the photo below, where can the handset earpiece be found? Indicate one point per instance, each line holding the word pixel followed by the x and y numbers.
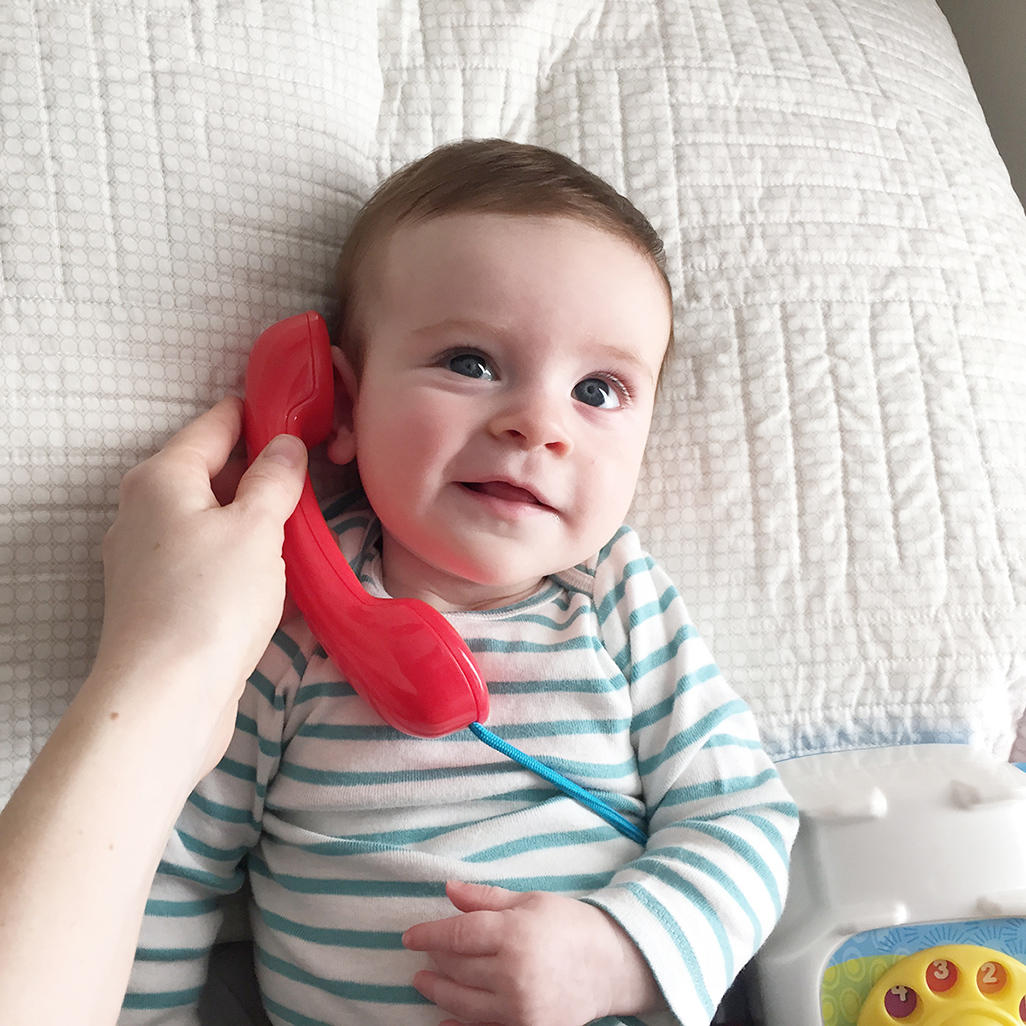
pixel 401 655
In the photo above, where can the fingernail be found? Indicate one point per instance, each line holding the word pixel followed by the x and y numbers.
pixel 287 450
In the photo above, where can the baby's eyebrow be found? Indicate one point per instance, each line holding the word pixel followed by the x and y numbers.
pixel 620 355
pixel 461 325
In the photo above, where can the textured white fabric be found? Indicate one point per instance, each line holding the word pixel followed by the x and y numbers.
pixel 836 475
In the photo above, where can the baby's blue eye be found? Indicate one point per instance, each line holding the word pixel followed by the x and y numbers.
pixel 598 393
pixel 470 365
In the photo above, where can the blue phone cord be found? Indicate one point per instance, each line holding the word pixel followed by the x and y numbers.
pixel 575 791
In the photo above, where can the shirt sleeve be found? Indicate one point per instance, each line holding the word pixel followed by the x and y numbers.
pixel 203 861
pixel 711 882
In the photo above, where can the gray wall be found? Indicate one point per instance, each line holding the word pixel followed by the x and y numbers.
pixel 992 37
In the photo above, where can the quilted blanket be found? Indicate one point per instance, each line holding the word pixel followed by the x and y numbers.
pixel 837 471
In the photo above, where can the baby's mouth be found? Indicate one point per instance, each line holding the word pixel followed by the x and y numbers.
pixel 503 490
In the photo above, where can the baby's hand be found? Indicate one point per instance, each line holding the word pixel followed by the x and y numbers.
pixel 531 959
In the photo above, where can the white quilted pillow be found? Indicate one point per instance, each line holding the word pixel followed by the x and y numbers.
pixel 836 475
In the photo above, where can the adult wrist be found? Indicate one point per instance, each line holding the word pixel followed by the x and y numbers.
pixel 155 718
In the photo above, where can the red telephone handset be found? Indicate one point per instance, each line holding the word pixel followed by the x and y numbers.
pixel 401 655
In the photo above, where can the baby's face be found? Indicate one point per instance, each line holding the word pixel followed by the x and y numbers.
pixel 505 399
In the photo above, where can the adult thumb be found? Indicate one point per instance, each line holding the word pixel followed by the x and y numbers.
pixel 274 481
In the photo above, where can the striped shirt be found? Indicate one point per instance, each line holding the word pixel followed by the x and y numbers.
pixel 349 829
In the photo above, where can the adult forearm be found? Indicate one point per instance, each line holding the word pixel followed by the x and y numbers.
pixel 193 591
pixel 79 844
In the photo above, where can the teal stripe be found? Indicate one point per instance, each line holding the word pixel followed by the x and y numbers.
pixel 540 842
pixel 262 686
pixel 171 954
pixel 664 707
pixel 161 1000
pixel 181 909
pixel 559 626
pixel 717 789
pixel 626 771
pixel 566 728
pixel 769 830
pixel 566 645
pixel 208 851
pixel 225 813
pixel 209 881
pixel 524 796
pixel 741 847
pixel 340 503
pixel 662 655
pixel 788 809
pixel 351 990
pixel 324 689
pixel 282 640
pixel 655 608
pixel 655 865
pixel 680 941
pixel 376 940
pixel 541 728
pixel 555 883
pixel 357 521
pixel 677 937
pixel 239 770
pixel 607 607
pixel 297 657
pixel 270 747
pixel 363 778
pixel 621 532
pixel 697 899
pixel 246 725
pixel 402 838
pixel 692 735
pixel 346 887
pixel 359 732
pixel 289 1015
pixel 578 685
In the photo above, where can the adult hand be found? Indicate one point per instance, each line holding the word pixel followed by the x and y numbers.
pixel 194 589
pixel 194 592
pixel 529 959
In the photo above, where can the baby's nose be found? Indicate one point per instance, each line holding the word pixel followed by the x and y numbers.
pixel 533 421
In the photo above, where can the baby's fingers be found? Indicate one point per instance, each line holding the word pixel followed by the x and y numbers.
pixel 467 1003
pixel 480 973
pixel 475 934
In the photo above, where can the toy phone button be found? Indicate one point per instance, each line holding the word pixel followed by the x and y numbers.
pixel 941 975
pixel 991 978
pixel 900 1001
pixel 950 985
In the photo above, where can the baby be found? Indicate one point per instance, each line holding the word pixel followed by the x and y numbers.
pixel 504 319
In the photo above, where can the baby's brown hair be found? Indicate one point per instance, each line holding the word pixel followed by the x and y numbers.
pixel 483 176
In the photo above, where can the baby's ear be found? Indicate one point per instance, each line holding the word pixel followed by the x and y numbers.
pixel 341 447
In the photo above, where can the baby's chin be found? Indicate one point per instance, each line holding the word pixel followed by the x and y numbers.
pixel 476 575
pixel 459 586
